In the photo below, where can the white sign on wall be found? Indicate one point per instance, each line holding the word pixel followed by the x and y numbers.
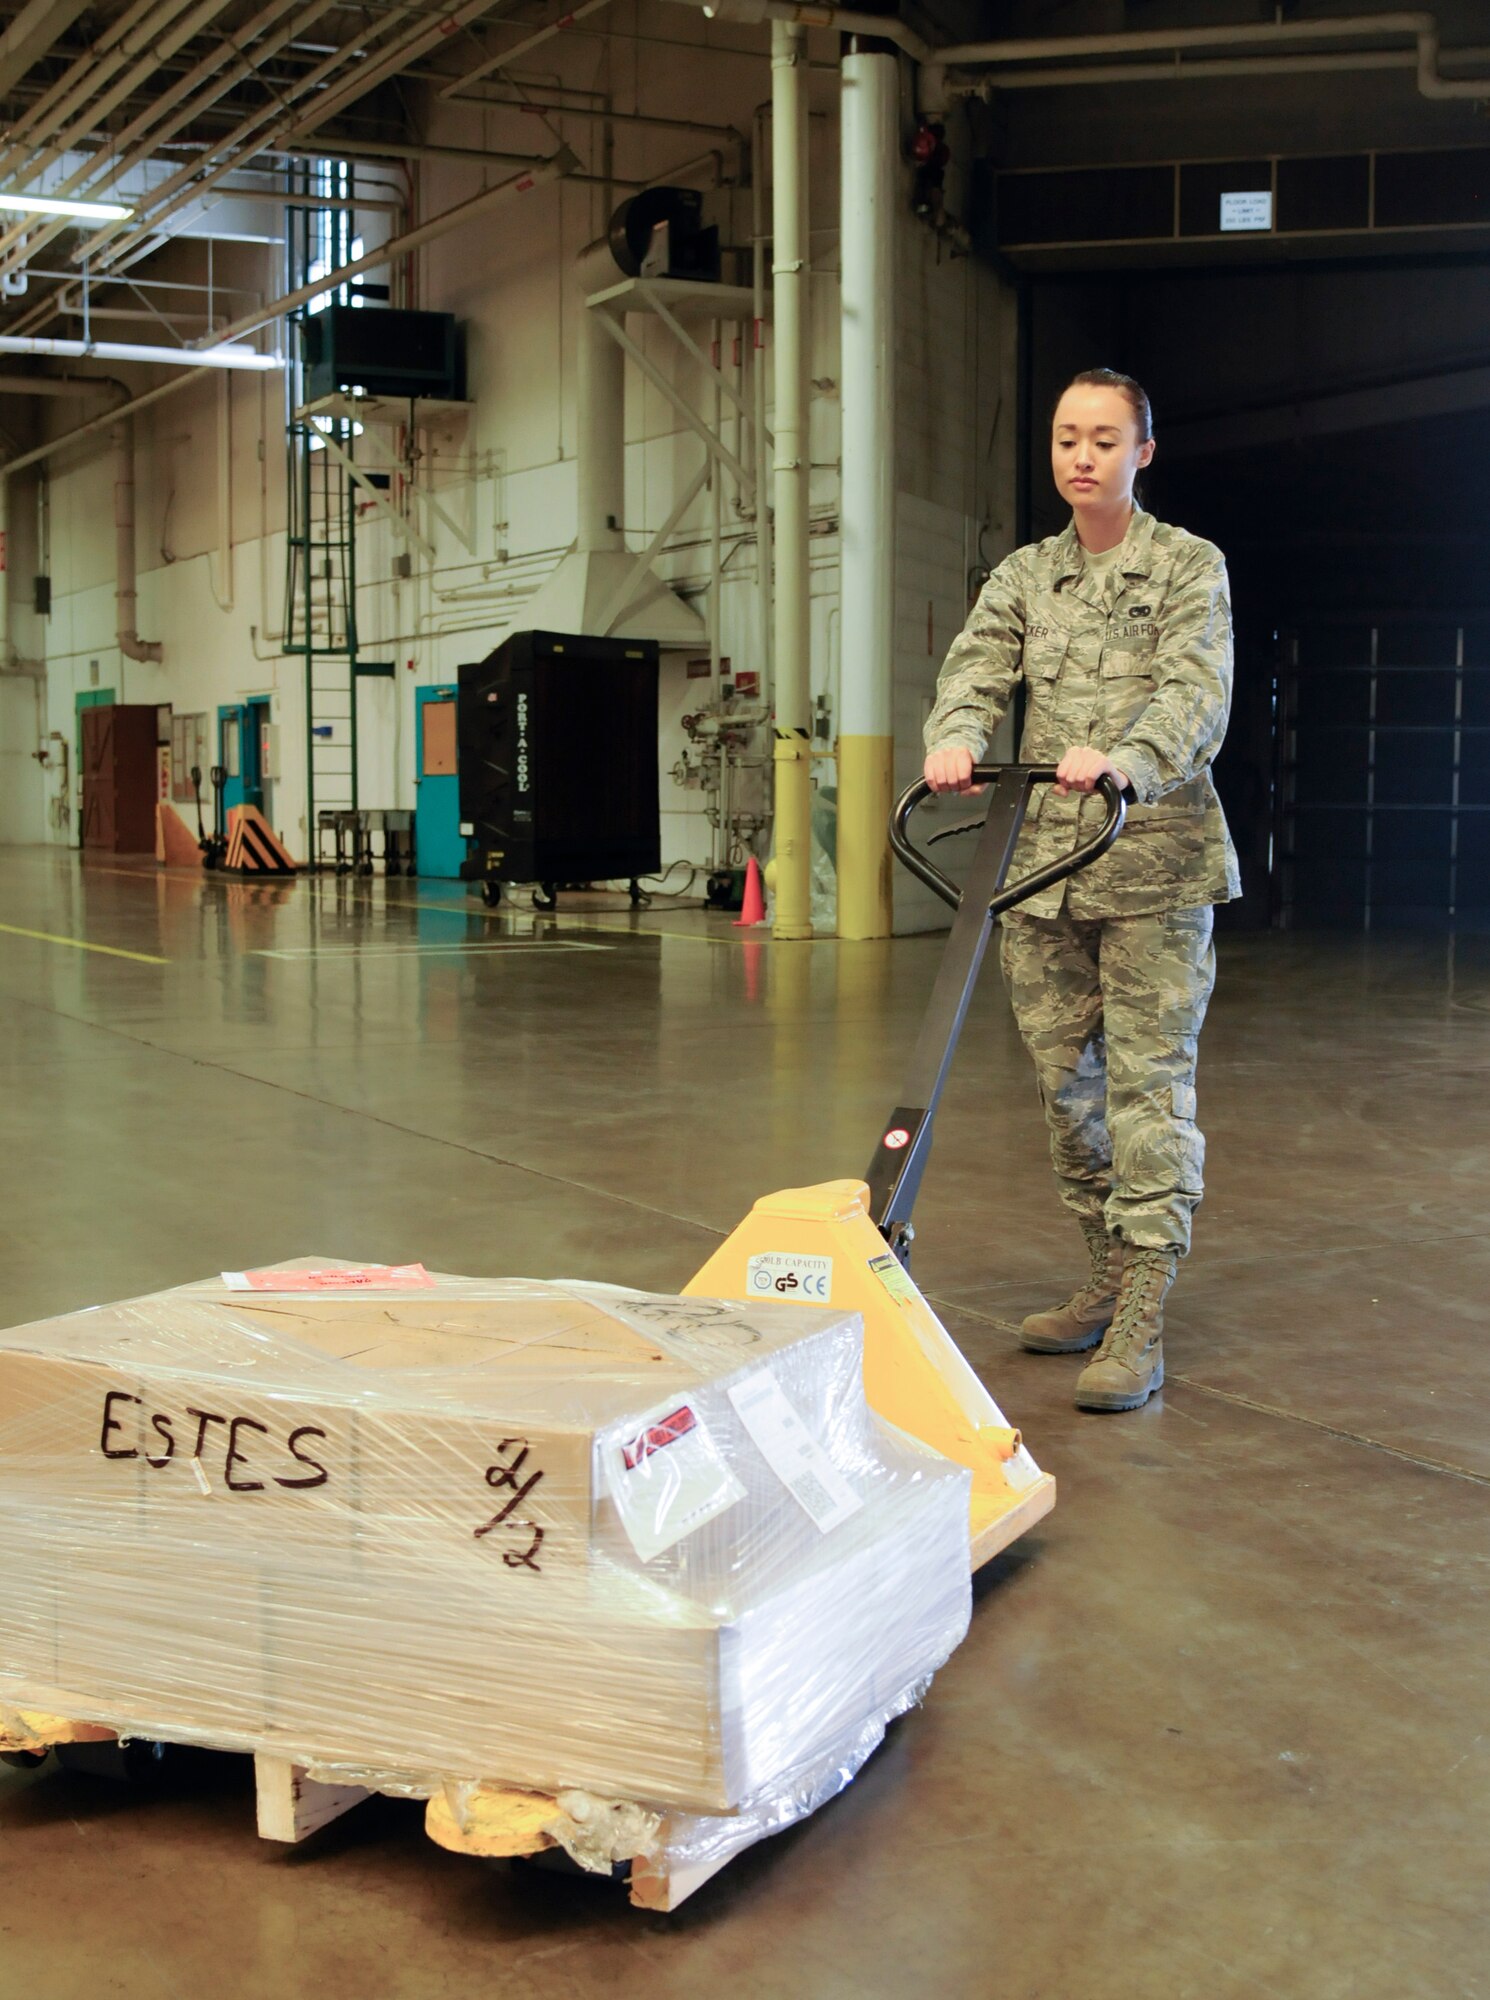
pixel 1247 211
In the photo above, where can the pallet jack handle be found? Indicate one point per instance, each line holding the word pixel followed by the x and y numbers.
pixel 899 1161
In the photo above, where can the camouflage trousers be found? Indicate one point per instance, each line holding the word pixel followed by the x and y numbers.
pixel 1111 1011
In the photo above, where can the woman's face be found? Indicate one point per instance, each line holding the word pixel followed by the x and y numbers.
pixel 1095 454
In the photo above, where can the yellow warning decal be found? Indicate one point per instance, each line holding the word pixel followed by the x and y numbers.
pixel 893 1275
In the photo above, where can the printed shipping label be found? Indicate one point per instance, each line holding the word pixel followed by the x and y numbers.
pixel 667 1477
pixel 370 1277
pixel 778 1274
pixel 792 1452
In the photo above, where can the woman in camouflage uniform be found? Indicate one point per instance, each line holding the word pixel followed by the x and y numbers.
pixel 1120 629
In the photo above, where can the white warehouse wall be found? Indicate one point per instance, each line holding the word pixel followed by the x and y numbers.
pixel 505 471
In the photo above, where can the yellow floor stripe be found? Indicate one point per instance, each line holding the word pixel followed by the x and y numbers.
pixel 82 944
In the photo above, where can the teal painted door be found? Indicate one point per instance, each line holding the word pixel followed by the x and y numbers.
pixel 439 845
pixel 238 725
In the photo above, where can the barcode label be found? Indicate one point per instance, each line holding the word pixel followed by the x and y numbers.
pixel 792 1452
pixel 813 1495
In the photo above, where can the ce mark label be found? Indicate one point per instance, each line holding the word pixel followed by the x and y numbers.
pixel 776 1274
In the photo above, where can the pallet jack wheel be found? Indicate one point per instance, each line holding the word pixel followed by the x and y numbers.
pixel 546 896
pixel 491 894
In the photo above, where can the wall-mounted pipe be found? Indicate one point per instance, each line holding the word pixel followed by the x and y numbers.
pixel 792 300
pixel 126 619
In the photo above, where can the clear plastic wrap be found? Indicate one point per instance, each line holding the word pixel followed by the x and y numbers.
pixel 551 1536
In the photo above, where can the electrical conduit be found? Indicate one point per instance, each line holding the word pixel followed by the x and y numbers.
pixel 791 292
pixel 131 645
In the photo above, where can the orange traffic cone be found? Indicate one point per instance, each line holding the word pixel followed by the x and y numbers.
pixel 753 905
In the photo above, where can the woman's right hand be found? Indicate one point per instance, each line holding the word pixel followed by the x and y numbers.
pixel 950 770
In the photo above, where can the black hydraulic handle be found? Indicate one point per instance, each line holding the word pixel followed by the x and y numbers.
pixel 925 869
pixel 894 1173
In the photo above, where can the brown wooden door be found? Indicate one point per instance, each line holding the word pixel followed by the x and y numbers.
pixel 136 777
pixel 120 778
pixel 99 805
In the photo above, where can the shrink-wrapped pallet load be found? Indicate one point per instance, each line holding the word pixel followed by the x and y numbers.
pixel 549 1536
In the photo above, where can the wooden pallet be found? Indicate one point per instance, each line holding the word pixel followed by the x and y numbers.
pixel 491 1821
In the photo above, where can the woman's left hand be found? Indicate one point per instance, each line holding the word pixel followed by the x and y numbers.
pixel 1081 767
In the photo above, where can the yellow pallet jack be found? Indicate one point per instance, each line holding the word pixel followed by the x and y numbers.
pixel 846 1244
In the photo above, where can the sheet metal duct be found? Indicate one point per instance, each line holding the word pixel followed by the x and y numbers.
pixel 600 588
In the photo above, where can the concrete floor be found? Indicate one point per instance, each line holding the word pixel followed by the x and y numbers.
pixel 1221 1727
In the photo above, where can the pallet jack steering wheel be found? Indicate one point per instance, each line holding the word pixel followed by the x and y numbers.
pixel 899 1161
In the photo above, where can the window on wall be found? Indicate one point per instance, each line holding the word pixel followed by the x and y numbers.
pixel 332 243
pixel 188 747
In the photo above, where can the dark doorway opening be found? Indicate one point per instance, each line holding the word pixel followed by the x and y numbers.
pixel 1328 426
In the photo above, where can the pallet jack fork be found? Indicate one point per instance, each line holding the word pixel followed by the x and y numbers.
pixel 847 1243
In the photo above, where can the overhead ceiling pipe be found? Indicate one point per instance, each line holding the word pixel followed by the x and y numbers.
pixel 131 645
pixel 1418 26
pixel 187 99
pixel 419 41
pixel 31 33
pixel 1186 69
pixel 561 163
pixel 158 37
pixel 260 127
pixel 526 46
pixel 40 119
pixel 61 385
pixel 215 356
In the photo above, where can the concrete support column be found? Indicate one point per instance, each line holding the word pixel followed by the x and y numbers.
pixel 866 731
pixel 791 293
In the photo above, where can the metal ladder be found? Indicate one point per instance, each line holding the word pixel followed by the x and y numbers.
pixel 321 615
pixel 320 621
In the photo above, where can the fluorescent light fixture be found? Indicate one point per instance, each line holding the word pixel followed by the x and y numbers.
pixel 46 204
pixel 231 356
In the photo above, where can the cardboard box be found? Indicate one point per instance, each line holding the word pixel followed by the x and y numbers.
pixel 549 1535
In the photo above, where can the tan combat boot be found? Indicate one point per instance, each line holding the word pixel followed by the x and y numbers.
pixel 1129 1366
pixel 1083 1319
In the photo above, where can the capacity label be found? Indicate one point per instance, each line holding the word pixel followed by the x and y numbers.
pixel 779 1274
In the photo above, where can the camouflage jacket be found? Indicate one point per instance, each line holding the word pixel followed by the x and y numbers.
pixel 1136 662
